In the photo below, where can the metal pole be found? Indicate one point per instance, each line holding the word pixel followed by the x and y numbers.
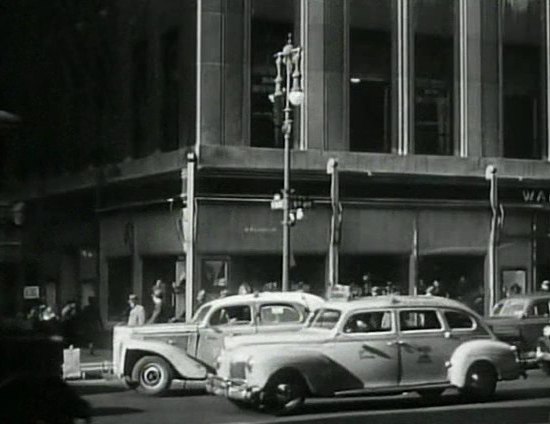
pixel 332 169
pixel 287 130
pixel 189 235
pixel 491 174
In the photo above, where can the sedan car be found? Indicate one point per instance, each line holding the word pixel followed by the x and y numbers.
pixel 377 345
pixel 520 320
pixel 149 357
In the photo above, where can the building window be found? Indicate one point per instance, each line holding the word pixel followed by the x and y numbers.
pixel 523 78
pixel 139 98
pixel 271 22
pixel 370 68
pixel 170 90
pixel 434 74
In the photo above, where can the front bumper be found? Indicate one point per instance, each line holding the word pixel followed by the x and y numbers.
pixel 235 389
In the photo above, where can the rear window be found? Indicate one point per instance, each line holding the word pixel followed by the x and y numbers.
pixel 459 320
pixel 279 313
pixel 232 315
pixel 540 309
pixel 512 307
pixel 325 318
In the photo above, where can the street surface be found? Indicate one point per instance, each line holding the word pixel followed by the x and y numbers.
pixel 517 402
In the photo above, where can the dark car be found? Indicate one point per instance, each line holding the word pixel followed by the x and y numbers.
pixel 31 386
pixel 519 320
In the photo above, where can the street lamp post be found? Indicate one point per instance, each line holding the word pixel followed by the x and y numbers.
pixel 288 64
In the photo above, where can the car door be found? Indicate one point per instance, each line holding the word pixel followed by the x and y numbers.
pixel 364 346
pixel 224 321
pixel 424 345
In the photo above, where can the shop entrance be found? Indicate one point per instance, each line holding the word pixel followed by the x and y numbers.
pixel 460 277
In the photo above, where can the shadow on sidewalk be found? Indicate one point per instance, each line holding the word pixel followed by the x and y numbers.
pixel 114 410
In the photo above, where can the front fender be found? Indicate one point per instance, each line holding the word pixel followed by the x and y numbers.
pixel 496 353
pixel 186 366
pixel 323 376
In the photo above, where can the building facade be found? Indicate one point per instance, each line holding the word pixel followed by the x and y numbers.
pixel 178 164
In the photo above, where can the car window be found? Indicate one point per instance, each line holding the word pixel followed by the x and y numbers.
pixel 419 319
pixel 369 322
pixel 325 318
pixel 232 315
pixel 200 314
pixel 539 308
pixel 459 320
pixel 279 313
pixel 512 307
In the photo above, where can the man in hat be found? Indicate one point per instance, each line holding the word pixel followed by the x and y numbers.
pixel 137 312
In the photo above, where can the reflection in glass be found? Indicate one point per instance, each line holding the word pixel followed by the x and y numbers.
pixel 434 29
pixel 370 75
pixel 523 78
pixel 271 22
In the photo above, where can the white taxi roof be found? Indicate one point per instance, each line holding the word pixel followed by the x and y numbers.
pixel 395 301
pixel 310 300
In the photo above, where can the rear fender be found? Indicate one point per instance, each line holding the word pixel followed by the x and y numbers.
pixel 496 353
pixel 186 366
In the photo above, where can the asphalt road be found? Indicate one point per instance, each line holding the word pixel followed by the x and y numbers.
pixel 518 402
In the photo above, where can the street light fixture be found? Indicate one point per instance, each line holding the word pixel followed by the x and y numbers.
pixel 288 64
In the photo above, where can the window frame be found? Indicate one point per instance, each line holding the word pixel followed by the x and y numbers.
pixel 474 327
pixel 350 314
pixel 219 308
pixel 437 312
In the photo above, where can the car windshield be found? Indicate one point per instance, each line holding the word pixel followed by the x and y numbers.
pixel 509 308
pixel 200 314
pixel 325 318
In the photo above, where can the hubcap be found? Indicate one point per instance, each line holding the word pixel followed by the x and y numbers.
pixel 151 375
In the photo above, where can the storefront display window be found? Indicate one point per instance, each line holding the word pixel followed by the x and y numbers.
pixel 370 68
pixel 271 22
pixel 434 75
pixel 119 287
pixel 215 278
pixel 513 282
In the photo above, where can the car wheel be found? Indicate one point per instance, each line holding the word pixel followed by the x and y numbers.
pixel 431 395
pixel 545 367
pixel 153 374
pixel 285 393
pixel 481 382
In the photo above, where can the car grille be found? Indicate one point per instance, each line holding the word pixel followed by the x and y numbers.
pixel 237 370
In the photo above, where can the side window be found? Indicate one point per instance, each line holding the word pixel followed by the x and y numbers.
pixel 540 309
pixel 459 320
pixel 279 313
pixel 232 315
pixel 369 322
pixel 418 319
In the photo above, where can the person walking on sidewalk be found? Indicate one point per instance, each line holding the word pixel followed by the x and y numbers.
pixel 137 312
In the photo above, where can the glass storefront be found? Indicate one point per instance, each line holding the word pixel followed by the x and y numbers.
pixel 370 70
pixel 434 76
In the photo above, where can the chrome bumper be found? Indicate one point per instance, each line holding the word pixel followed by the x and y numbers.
pixel 232 389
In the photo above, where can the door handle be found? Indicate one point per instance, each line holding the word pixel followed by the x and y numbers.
pixel 395 343
pixel 448 335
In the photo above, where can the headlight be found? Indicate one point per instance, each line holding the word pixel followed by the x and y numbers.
pixel 249 364
pixel 546 331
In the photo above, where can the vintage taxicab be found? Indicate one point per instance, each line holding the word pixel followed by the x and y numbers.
pixel 150 357
pixel 376 345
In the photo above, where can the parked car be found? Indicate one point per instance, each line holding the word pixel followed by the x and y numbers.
pixel 149 357
pixel 376 345
pixel 519 320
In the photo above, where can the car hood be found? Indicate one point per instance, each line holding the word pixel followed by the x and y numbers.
pixel 303 336
pixel 122 332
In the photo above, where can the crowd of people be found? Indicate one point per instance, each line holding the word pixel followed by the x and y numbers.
pixel 80 327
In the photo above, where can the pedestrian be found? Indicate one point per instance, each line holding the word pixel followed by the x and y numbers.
pixel 434 289
pixel 90 324
pixel 244 288
pixel 136 316
pixel 160 309
pixel 545 286
pixel 69 323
